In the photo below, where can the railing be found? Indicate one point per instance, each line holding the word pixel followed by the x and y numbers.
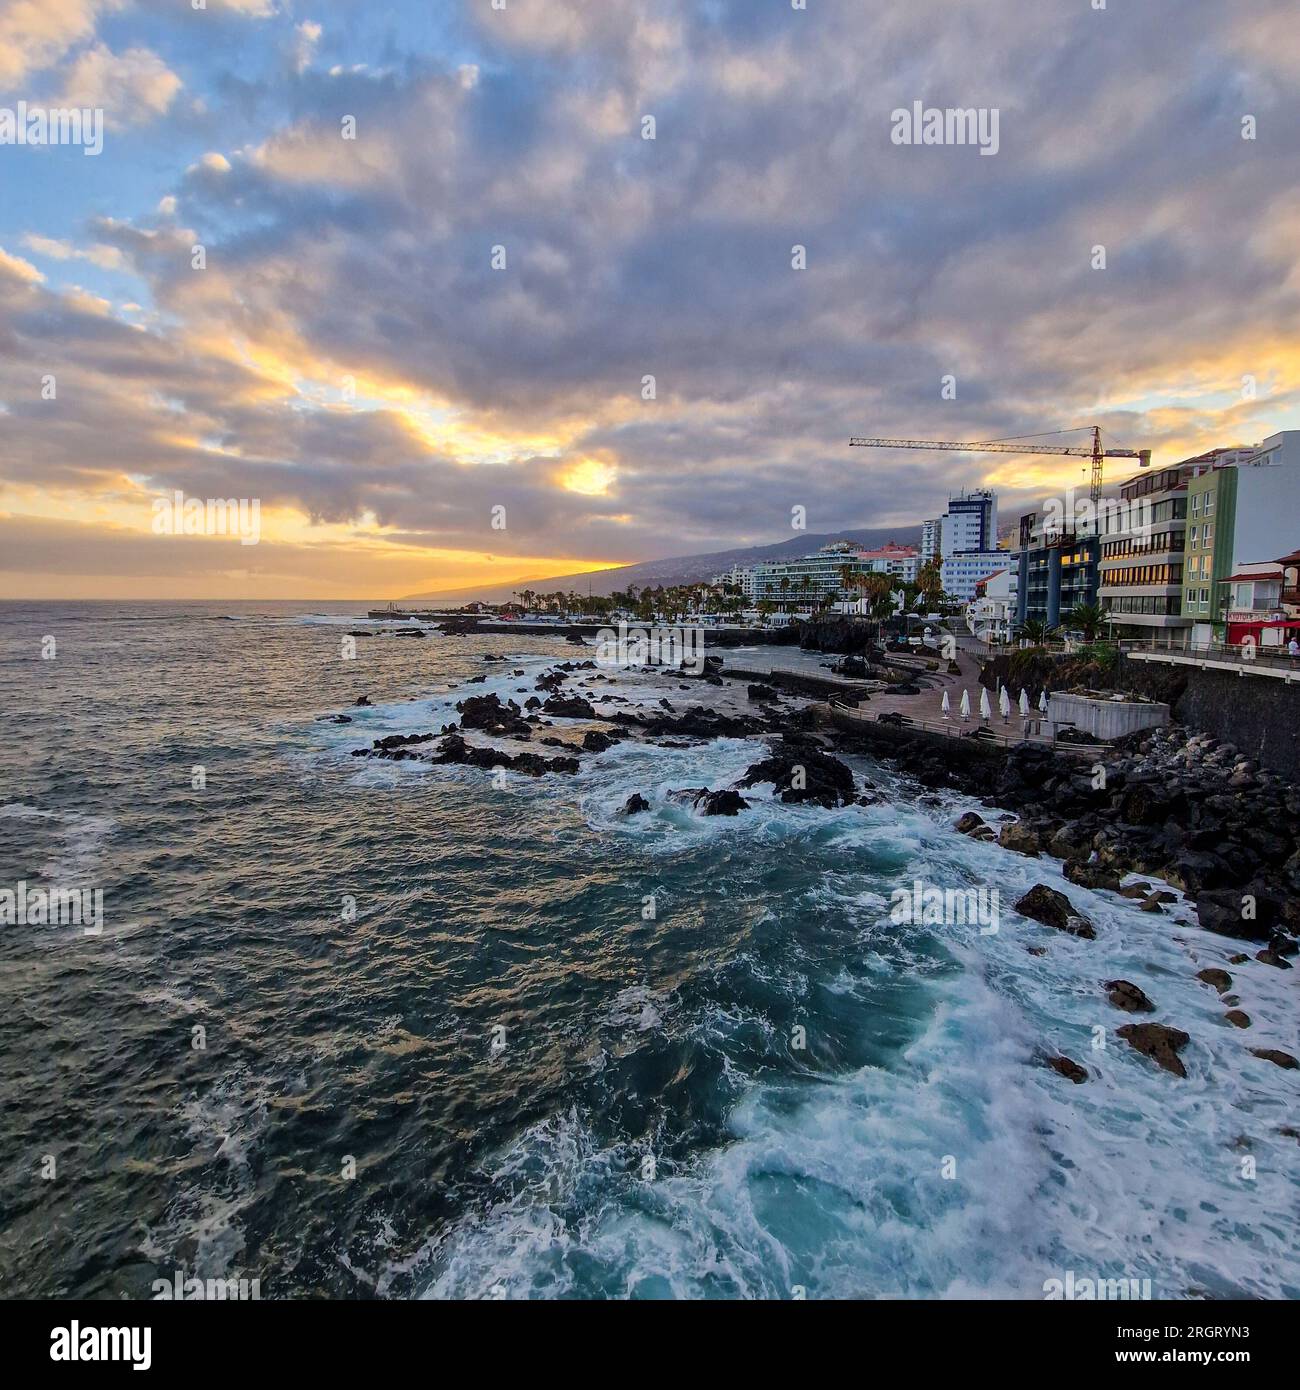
pixel 1243 655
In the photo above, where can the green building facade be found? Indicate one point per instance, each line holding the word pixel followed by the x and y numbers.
pixel 1211 519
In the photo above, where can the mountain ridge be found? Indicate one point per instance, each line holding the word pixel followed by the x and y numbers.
pixel 679 569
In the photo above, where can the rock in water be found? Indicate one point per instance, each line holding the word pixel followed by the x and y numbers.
pixel 1088 875
pixel 1220 979
pixel 635 804
pixel 486 712
pixel 1054 909
pixel 801 772
pixel 594 741
pixel 1158 1042
pixel 1068 1068
pixel 1021 837
pixel 569 707
pixel 720 803
pixel 1127 996
pixel 1279 1059
pixel 1237 1018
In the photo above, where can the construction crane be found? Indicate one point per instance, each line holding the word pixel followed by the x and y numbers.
pixel 1096 453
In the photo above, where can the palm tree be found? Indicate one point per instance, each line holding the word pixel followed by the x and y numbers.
pixel 929 582
pixel 848 578
pixel 1087 618
pixel 879 591
pixel 1035 630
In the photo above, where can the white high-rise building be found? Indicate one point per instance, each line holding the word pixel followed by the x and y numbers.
pixel 970 523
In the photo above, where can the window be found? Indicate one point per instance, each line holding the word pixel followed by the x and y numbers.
pixel 1209 503
pixel 1196 504
pixel 1209 532
pixel 1196 531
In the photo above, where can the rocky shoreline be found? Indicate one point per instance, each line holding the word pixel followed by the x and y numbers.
pixel 1169 805
pixel 1173 805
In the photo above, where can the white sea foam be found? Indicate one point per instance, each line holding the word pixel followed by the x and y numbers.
pixel 840 1186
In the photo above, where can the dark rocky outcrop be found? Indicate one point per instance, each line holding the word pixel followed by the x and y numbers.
pixel 1124 994
pixel 1020 836
pixel 1219 979
pixel 1068 1068
pixel 1159 1042
pixel 725 802
pixel 1092 875
pixel 1279 1059
pixel 1237 1018
pixel 454 749
pixel 569 707
pixel 1172 805
pixel 635 804
pixel 595 741
pixel 1054 909
pixel 800 771
pixel 486 712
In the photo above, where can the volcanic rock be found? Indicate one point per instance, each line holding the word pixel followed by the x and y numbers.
pixel 1054 909
pixel 1069 1069
pixel 1279 1059
pixel 802 772
pixel 1127 996
pixel 1162 1044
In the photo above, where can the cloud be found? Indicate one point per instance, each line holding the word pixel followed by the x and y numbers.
pixel 105 257
pixel 34 34
pixel 18 270
pixel 352 354
pixel 131 87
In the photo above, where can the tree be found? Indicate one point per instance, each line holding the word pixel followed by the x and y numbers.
pixel 1035 630
pixel 1087 618
pixel 929 582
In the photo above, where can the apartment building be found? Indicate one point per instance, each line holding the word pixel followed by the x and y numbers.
pixel 1058 569
pixel 991 614
pixel 961 572
pixel 1140 582
pixel 1241 511
pixel 829 572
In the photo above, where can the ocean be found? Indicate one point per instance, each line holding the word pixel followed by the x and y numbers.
pixel 360 1029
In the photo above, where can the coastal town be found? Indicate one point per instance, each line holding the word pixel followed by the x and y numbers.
pixel 1194 556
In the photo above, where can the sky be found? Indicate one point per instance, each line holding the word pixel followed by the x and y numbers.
pixel 412 277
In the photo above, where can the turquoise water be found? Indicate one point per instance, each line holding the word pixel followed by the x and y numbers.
pixel 501 1077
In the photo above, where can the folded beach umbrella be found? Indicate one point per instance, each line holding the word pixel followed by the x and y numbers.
pixel 965 704
pixel 1042 702
pixel 1024 703
pixel 945 706
pixel 1004 705
pixel 985 708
